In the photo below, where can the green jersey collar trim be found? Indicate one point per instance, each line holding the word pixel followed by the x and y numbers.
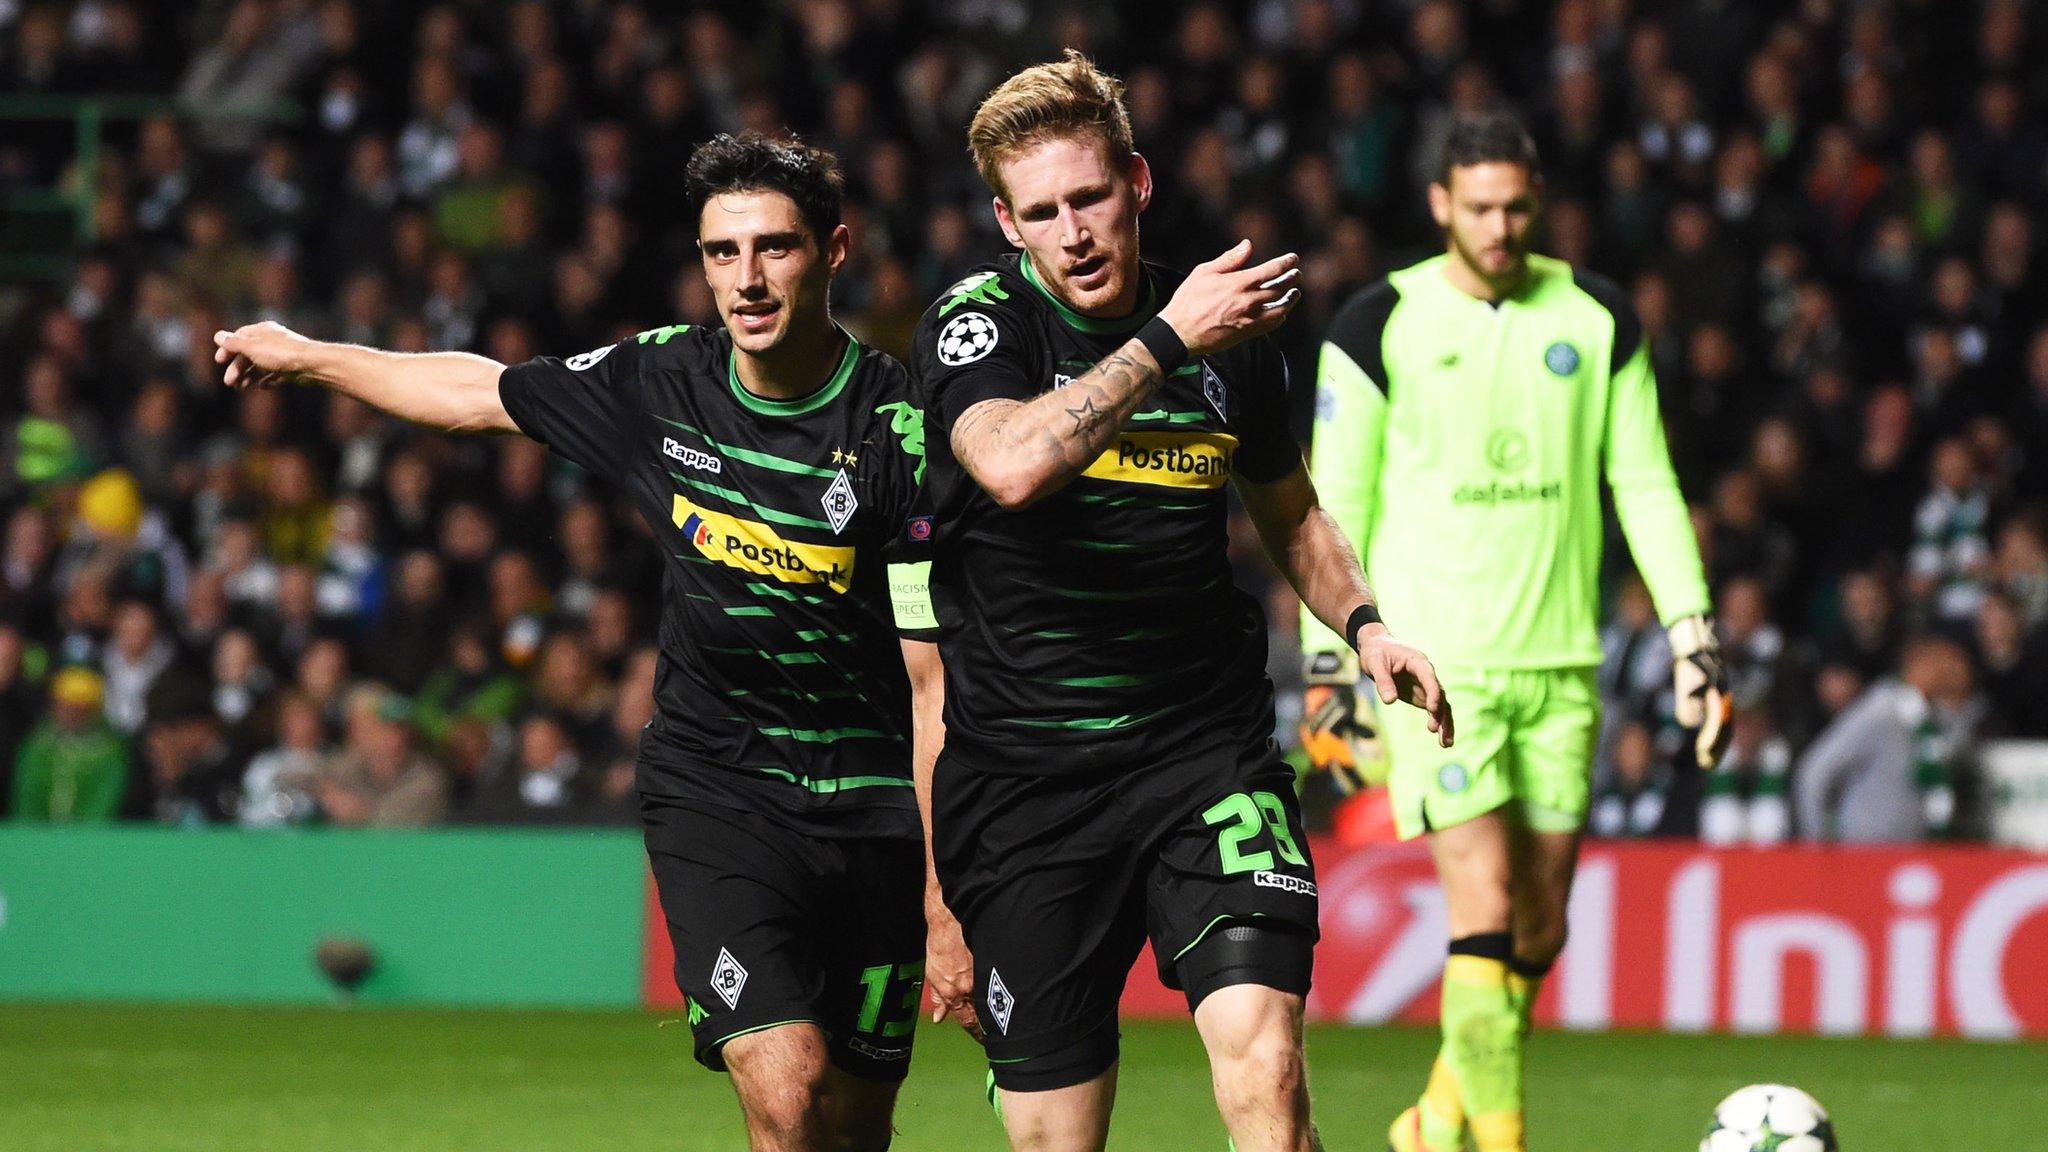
pixel 1090 324
pixel 825 394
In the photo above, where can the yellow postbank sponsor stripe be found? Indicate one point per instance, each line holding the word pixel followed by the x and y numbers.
pixel 1198 460
pixel 754 547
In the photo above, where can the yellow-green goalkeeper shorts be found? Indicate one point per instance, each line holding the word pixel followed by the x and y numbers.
pixel 1524 742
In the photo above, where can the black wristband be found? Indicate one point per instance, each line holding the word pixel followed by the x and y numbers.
pixel 1164 344
pixel 1360 616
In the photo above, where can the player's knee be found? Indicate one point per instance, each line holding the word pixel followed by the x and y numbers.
pixel 1480 907
pixel 1266 1065
pixel 782 1079
pixel 788 1117
pixel 1253 1034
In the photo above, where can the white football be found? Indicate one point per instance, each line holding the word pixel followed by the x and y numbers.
pixel 1769 1118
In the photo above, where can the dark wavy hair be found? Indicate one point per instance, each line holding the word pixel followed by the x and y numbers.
pixel 1490 137
pixel 752 162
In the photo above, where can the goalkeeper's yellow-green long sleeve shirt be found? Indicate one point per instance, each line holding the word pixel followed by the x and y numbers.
pixel 1461 445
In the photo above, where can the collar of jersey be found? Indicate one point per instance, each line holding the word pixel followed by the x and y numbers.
pixel 1090 324
pixel 802 404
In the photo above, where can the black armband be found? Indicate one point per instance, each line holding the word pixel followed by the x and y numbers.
pixel 1360 616
pixel 1164 344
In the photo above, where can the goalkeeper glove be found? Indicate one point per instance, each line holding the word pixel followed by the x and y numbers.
pixel 1339 738
pixel 1700 681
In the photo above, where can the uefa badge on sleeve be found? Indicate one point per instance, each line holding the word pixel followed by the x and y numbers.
pixel 966 338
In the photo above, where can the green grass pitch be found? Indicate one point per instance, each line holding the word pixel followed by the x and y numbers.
pixel 167 1079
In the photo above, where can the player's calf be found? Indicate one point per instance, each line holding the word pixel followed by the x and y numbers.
pixel 863 1111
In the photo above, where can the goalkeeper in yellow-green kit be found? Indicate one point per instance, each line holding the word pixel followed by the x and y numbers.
pixel 1467 410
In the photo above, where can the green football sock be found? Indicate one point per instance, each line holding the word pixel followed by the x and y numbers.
pixel 1483 1032
pixel 1523 985
pixel 1442 1108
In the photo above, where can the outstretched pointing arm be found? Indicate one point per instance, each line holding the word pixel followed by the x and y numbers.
pixel 451 391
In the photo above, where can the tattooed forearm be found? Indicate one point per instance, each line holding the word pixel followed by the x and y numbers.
pixel 1021 451
pixel 1086 416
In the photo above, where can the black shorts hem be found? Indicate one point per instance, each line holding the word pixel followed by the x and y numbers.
pixel 710 1052
pixel 1062 1065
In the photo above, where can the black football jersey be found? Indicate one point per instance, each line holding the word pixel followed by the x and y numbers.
pixel 780 686
pixel 1098 627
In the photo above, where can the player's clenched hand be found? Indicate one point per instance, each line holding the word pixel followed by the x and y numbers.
pixel 1403 673
pixel 1223 303
pixel 260 355
pixel 948 967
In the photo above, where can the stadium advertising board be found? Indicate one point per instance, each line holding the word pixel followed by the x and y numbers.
pixel 1943 941
pixel 448 916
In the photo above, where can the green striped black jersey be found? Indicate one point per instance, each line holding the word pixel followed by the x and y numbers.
pixel 1097 629
pixel 780 686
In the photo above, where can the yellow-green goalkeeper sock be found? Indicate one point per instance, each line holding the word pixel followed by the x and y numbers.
pixel 1483 1039
pixel 1442 1108
pixel 1525 981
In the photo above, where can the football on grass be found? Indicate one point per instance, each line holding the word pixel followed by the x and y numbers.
pixel 1769 1118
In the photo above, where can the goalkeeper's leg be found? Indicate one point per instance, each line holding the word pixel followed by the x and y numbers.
pixel 1457 797
pixel 1476 1085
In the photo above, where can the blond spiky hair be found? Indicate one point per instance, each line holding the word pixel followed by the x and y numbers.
pixel 1066 97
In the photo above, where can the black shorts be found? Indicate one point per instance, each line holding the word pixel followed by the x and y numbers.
pixel 1059 881
pixel 771 927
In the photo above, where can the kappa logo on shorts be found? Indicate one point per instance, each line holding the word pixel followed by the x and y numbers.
pixel 861 1047
pixel 728 979
pixel 1284 882
pixel 1000 1002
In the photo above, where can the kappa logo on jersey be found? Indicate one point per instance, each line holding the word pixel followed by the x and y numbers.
pixel 981 288
pixel 728 979
pixel 1167 459
pixel 1215 391
pixel 907 422
pixel 1000 1002
pixel 839 502
pixel 966 338
pixel 584 360
pixel 753 547
pixel 690 457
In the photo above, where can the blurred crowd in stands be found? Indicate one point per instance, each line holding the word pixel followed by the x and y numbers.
pixel 278 607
